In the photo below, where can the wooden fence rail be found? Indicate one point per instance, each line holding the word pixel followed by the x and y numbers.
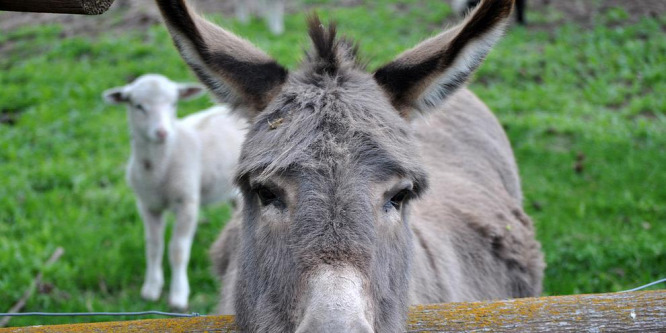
pixel 87 7
pixel 616 312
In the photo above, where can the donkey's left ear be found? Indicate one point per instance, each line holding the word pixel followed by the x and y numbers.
pixel 423 77
pixel 189 90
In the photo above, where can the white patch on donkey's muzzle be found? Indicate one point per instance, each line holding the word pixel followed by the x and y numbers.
pixel 335 301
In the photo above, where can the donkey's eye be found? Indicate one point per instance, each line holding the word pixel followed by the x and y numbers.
pixel 399 198
pixel 266 196
pixel 139 107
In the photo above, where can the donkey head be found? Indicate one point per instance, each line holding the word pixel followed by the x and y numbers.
pixel 329 167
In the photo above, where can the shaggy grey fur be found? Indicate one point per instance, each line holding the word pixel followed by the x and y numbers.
pixel 336 178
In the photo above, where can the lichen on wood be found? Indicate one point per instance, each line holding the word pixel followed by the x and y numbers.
pixel 643 311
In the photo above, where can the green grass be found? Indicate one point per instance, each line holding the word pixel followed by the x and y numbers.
pixel 564 93
pixel 592 94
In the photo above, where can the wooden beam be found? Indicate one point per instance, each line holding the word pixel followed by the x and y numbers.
pixel 87 7
pixel 617 312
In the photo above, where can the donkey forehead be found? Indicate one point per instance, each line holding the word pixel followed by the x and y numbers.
pixel 330 128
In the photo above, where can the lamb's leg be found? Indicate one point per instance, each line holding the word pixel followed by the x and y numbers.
pixel 273 11
pixel 520 11
pixel 243 9
pixel 179 253
pixel 153 223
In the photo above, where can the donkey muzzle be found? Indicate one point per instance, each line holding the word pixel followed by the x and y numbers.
pixel 336 301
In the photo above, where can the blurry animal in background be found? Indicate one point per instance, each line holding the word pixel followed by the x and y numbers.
pixel 462 7
pixel 271 10
pixel 355 207
pixel 177 165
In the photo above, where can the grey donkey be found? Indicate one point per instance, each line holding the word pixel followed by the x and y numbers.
pixel 363 193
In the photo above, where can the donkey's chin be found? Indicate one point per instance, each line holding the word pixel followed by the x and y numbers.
pixel 336 302
pixel 335 325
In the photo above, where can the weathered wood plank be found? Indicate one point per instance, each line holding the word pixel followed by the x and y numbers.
pixel 87 7
pixel 193 324
pixel 617 312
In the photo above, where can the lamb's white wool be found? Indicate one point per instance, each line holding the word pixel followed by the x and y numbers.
pixel 175 165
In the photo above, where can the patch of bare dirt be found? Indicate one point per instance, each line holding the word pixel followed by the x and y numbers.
pixel 126 15
pixel 139 14
pixel 585 12
pixel 122 16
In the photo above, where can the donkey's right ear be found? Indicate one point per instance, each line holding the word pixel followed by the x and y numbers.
pixel 115 95
pixel 234 70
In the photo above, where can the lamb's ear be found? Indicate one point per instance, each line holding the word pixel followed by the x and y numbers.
pixel 189 90
pixel 234 70
pixel 115 95
pixel 423 77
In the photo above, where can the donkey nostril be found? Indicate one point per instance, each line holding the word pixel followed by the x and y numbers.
pixel 161 133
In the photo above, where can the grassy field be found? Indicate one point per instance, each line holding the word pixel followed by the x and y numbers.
pixel 584 107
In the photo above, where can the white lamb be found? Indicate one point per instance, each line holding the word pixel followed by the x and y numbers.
pixel 175 165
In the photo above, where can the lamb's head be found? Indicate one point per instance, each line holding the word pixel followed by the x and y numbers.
pixel 151 104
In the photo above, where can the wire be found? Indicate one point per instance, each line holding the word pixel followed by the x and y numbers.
pixel 171 314
pixel 645 286
pixel 63 314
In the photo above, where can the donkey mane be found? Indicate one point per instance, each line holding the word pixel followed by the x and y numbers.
pixel 330 54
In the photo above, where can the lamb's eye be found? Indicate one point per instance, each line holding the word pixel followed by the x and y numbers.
pixel 266 196
pixel 139 107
